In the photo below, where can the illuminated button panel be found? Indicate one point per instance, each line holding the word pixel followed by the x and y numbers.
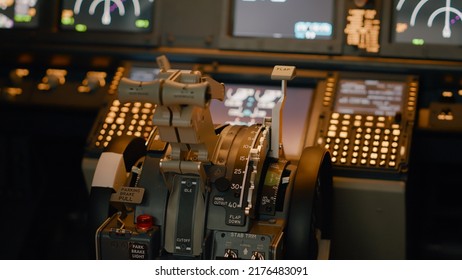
pixel 133 119
pixel 14 87
pixel 364 141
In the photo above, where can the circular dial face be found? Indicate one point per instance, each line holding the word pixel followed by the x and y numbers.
pixel 428 22
pixel 107 15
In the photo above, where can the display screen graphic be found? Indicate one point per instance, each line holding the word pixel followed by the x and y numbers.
pixel 107 15
pixel 247 104
pixel 300 19
pixel 422 22
pixel 369 97
pixel 19 13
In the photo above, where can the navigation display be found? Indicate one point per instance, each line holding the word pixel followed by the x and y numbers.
pixel 369 97
pixel 246 104
pixel 300 19
pixel 107 15
pixel 423 22
pixel 19 13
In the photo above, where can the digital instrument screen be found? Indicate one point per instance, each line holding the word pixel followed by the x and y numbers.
pixel 300 19
pixel 423 22
pixel 369 97
pixel 107 15
pixel 246 104
pixel 19 13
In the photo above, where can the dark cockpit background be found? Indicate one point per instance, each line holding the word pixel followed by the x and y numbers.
pixel 61 60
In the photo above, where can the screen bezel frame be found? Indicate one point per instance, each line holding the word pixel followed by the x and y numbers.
pixel 404 50
pixel 324 46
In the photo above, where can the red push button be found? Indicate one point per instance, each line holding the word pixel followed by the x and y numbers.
pixel 144 222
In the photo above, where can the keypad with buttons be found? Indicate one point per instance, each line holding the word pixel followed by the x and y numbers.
pixel 366 122
pixel 124 119
pixel 363 141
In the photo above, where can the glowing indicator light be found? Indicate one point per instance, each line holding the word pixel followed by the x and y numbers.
pixel 67 21
pixel 81 27
pixel 310 30
pixel 22 18
pixel 142 23
pixel 401 27
pixel 144 222
pixel 418 42
pixel 447 94
pixel 363 29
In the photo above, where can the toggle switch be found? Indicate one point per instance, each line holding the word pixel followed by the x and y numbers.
pixel 53 79
pixel 93 81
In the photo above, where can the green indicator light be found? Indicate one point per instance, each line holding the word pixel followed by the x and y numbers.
pixel 142 23
pixel 81 27
pixel 67 21
pixel 22 18
pixel 418 42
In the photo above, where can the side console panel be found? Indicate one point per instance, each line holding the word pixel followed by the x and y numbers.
pixel 366 121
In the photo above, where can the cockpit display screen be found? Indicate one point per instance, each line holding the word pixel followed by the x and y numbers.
pixel 369 97
pixel 107 15
pixel 19 13
pixel 297 19
pixel 428 22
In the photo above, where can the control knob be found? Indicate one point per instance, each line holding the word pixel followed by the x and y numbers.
pixel 230 254
pixel 257 256
pixel 93 81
